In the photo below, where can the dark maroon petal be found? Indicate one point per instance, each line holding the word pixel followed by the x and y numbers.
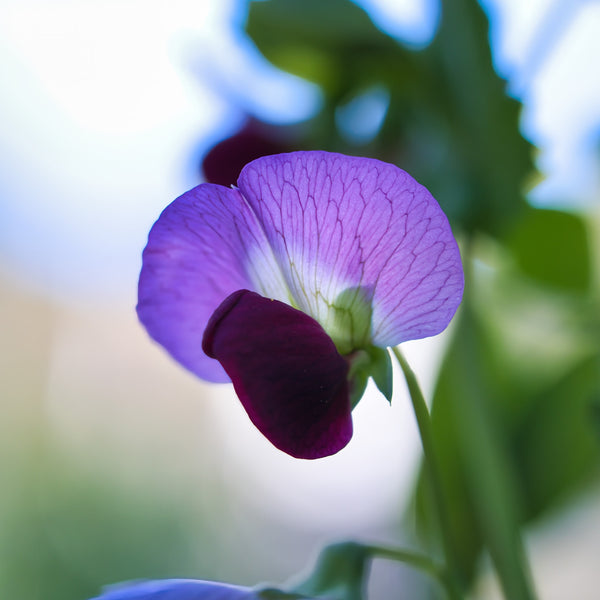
pixel 286 371
pixel 224 161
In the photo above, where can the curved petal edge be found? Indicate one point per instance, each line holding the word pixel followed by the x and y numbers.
pixel 286 371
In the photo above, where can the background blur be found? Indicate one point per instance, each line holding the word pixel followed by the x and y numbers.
pixel 115 464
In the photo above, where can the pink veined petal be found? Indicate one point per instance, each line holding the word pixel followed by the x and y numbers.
pixel 337 223
pixel 197 254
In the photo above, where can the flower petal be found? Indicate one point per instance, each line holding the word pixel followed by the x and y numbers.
pixel 205 245
pixel 178 589
pixel 361 230
pixel 224 161
pixel 286 371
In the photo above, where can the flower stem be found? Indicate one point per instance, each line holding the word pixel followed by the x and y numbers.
pixel 408 557
pixel 342 568
pixel 452 577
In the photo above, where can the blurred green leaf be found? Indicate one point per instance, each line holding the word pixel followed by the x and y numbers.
pixel 336 45
pixel 68 530
pixel 449 121
pixel 547 435
pixel 595 414
pixel 556 445
pixel 552 247
pixel 483 141
pixel 330 43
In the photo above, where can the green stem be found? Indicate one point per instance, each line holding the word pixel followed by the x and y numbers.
pixel 408 557
pixel 341 569
pixel 485 459
pixel 452 578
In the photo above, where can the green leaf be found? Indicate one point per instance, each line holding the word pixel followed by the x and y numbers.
pixel 552 247
pixel 546 433
pixel 556 446
pixel 449 121
pixel 487 159
pixel 301 38
pixel 595 414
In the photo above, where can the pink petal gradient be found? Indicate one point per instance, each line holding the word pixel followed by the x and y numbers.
pixel 286 372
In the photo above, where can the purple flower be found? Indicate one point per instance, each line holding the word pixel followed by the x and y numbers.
pixel 188 589
pixel 293 280
pixel 224 161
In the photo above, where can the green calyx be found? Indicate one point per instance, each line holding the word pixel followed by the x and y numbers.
pixel 349 319
pixel 340 572
pixel 371 362
pixel 349 324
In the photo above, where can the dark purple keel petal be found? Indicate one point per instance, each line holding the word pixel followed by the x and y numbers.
pixel 286 371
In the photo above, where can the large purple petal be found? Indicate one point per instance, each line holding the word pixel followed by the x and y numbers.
pixel 205 245
pixel 178 589
pixel 339 223
pixel 286 371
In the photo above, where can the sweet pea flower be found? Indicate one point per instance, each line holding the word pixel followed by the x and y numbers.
pixel 190 589
pixel 293 284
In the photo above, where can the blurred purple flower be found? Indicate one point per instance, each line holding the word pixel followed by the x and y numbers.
pixel 286 278
pixel 224 161
pixel 187 589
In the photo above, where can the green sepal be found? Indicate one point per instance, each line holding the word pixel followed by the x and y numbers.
pixel 381 371
pixel 370 362
pixel 358 377
pixel 340 572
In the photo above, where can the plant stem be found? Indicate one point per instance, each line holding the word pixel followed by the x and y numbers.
pixel 452 578
pixel 485 459
pixel 341 569
pixel 408 557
